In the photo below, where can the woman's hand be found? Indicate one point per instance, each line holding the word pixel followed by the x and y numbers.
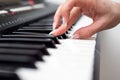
pixel 105 15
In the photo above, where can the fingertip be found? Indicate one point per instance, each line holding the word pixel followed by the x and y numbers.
pixel 76 36
pixel 59 31
pixel 53 33
pixel 50 33
pixel 82 33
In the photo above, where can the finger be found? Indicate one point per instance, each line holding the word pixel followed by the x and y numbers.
pixel 67 7
pixel 88 31
pixel 62 29
pixel 75 14
pixel 57 17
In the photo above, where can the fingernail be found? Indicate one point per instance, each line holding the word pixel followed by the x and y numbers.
pixel 54 26
pixel 76 36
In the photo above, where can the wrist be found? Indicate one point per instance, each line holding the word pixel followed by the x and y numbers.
pixel 119 11
pixel 116 10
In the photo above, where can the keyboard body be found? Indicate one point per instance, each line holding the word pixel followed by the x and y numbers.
pixel 28 52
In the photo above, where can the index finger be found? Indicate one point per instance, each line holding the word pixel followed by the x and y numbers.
pixel 57 17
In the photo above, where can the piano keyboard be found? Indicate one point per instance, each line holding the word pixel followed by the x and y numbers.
pixel 28 52
pixel 72 60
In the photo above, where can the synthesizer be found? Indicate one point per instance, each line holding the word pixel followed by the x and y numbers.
pixel 28 52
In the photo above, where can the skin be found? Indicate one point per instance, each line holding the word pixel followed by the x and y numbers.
pixel 105 15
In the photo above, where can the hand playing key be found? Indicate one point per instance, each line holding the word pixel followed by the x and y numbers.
pixel 105 15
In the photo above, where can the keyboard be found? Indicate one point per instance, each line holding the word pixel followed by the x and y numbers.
pixel 28 52
pixel 72 60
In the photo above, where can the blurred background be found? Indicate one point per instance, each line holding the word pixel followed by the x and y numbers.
pixel 56 1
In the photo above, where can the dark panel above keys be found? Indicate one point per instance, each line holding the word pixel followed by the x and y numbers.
pixel 10 21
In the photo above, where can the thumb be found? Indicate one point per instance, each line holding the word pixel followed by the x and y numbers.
pixel 88 31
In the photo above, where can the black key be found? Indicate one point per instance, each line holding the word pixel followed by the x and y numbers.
pixel 41 48
pixel 40 36
pixel 28 33
pixel 48 42
pixel 6 75
pixel 33 33
pixel 70 29
pixel 27 52
pixel 67 32
pixel 40 24
pixel 35 30
pixel 60 37
pixel 7 68
pixel 64 36
pixel 18 61
pixel 47 21
pixel 44 22
pixel 34 27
